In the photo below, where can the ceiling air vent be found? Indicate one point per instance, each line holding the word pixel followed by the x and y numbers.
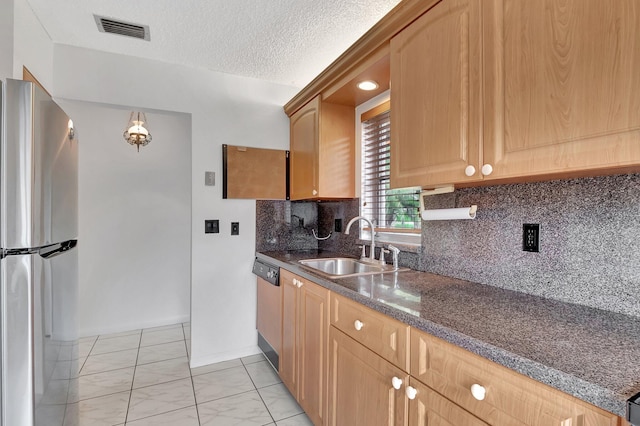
pixel 108 25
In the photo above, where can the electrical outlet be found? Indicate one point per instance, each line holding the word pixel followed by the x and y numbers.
pixel 337 225
pixel 531 237
pixel 211 226
pixel 235 228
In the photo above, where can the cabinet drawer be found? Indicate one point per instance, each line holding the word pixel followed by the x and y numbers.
pixel 429 408
pixel 509 398
pixel 383 335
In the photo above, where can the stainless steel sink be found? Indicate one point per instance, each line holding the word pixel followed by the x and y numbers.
pixel 337 267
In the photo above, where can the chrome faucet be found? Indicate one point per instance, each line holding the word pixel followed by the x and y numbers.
pixel 372 253
pixel 395 250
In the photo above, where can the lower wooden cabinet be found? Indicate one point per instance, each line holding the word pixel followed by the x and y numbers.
pixel 342 372
pixel 495 394
pixel 429 408
pixel 361 386
pixel 382 334
pixel 288 355
pixel 303 358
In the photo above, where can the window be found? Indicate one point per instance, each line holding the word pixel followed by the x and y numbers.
pixel 395 212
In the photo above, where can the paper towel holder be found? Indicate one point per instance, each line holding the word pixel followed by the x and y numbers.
pixel 434 191
pixel 445 214
pixel 450 214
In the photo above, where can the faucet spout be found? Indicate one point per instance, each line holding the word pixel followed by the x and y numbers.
pixel 372 253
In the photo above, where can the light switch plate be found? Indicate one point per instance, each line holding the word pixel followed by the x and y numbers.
pixel 211 226
pixel 210 178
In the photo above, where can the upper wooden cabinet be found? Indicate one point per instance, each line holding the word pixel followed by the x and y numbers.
pixel 562 88
pixel 435 96
pixel 518 90
pixel 322 151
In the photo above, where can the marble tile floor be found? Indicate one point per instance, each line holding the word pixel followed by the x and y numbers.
pixel 142 378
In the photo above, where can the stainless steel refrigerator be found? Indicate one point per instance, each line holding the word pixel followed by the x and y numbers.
pixel 38 259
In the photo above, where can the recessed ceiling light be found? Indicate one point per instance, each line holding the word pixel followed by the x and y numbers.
pixel 368 85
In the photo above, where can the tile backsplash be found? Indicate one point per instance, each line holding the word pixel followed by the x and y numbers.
pixel 589 238
pixel 285 225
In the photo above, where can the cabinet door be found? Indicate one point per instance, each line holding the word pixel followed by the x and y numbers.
pixel 562 87
pixel 313 340
pixel 304 155
pixel 360 386
pixel 336 156
pixel 428 408
pixel 287 368
pixel 435 96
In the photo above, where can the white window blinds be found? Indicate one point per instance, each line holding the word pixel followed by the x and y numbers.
pixel 392 210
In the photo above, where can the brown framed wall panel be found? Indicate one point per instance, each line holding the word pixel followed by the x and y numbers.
pixel 254 173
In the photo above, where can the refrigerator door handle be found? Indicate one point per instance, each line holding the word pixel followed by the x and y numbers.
pixel 57 249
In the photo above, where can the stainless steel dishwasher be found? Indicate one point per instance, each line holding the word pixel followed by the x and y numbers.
pixel 633 410
pixel 269 310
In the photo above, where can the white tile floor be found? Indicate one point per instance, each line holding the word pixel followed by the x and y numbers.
pixel 142 378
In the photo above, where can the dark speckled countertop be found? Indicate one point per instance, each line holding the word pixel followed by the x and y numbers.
pixel 589 353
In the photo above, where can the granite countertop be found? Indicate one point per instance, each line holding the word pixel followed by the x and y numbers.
pixel 589 353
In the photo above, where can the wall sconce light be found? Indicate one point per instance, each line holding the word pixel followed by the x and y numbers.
pixel 72 132
pixel 136 133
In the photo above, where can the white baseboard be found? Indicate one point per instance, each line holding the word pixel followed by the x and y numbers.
pixel 119 328
pixel 224 356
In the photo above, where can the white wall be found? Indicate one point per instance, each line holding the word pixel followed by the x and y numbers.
pixel 6 38
pixel 134 219
pixel 32 46
pixel 225 109
pixel 24 42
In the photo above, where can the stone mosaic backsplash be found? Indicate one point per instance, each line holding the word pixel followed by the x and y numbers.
pixel 285 225
pixel 589 238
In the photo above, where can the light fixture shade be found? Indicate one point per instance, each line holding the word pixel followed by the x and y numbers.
pixel 72 131
pixel 136 133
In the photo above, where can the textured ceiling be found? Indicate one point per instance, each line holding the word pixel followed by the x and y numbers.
pixel 283 41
